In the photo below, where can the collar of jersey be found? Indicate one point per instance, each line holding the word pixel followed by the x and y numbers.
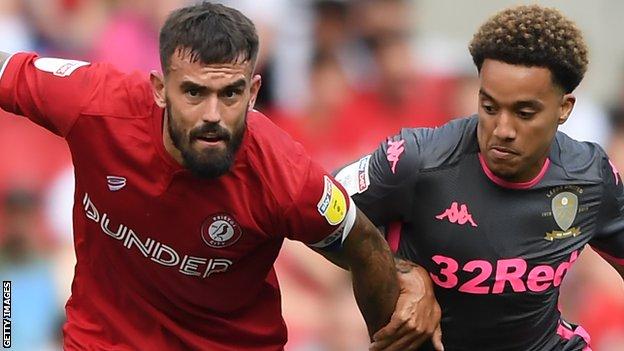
pixel 511 185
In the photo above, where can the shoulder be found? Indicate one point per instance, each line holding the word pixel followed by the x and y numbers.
pixel 271 143
pixel 274 156
pixel 435 147
pixel 120 94
pixel 580 159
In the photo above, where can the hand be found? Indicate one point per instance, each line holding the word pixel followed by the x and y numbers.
pixel 416 317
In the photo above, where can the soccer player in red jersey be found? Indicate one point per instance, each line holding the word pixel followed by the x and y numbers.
pixel 184 195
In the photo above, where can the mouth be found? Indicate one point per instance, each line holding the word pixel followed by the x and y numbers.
pixel 502 153
pixel 210 140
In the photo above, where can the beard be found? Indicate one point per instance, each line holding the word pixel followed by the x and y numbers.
pixel 211 162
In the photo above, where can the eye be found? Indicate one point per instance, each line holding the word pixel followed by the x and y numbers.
pixel 526 114
pixel 192 92
pixel 489 109
pixel 232 93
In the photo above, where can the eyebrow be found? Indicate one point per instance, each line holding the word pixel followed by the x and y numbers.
pixel 518 104
pixel 187 84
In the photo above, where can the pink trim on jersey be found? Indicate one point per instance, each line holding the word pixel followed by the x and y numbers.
pixel 394 235
pixel 609 257
pixel 580 331
pixel 511 185
pixel 615 173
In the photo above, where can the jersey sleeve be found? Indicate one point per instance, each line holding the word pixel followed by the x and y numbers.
pixel 322 213
pixel 51 92
pixel 381 183
pixel 609 237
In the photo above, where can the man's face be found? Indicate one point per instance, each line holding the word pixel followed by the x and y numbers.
pixel 519 110
pixel 206 108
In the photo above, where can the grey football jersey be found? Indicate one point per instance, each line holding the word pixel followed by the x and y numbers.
pixel 496 251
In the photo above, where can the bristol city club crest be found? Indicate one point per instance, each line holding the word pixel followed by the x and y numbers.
pixel 220 230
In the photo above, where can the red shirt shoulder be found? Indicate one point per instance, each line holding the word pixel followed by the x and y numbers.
pixel 55 93
pixel 313 206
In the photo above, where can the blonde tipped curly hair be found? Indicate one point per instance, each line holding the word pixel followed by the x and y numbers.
pixel 533 36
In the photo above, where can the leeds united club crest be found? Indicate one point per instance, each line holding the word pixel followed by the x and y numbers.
pixel 564 207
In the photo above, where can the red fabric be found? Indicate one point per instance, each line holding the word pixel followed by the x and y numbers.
pixel 147 276
pixel 602 315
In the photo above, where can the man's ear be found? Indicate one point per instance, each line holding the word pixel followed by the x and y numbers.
pixel 158 88
pixel 256 82
pixel 566 107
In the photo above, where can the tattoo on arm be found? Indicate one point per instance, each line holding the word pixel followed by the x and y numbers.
pixel 375 282
pixel 403 266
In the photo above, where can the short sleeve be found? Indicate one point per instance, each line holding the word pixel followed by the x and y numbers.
pixel 322 213
pixel 609 237
pixel 381 184
pixel 51 92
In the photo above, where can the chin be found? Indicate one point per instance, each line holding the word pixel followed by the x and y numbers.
pixel 505 173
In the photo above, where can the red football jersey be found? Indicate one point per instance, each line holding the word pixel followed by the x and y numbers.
pixel 168 261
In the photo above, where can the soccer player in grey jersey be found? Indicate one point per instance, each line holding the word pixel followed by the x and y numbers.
pixel 498 206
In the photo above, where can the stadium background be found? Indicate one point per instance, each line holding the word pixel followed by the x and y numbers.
pixel 339 75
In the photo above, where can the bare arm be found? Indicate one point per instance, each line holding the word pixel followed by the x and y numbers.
pixel 366 254
pixel 615 264
pixel 416 316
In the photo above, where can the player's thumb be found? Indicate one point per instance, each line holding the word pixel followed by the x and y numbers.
pixel 436 339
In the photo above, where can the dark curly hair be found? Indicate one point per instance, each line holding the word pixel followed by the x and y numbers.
pixel 533 36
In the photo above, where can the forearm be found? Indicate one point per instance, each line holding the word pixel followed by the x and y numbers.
pixel 375 282
pixel 410 276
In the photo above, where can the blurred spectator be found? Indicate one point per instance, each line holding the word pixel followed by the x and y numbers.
pixel 616 143
pixel 16 34
pixel 314 126
pixel 129 36
pixel 393 93
pixel 24 261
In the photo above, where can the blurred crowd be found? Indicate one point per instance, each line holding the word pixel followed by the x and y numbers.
pixel 339 75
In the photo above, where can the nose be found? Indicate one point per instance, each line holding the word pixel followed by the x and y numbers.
pixel 505 128
pixel 211 112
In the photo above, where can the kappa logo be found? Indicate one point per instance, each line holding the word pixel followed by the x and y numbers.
pixel 395 149
pixel 115 183
pixel 220 230
pixel 457 214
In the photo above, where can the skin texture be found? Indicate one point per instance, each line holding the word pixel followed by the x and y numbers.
pixel 417 314
pixel 205 101
pixel 519 111
pixel 417 309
